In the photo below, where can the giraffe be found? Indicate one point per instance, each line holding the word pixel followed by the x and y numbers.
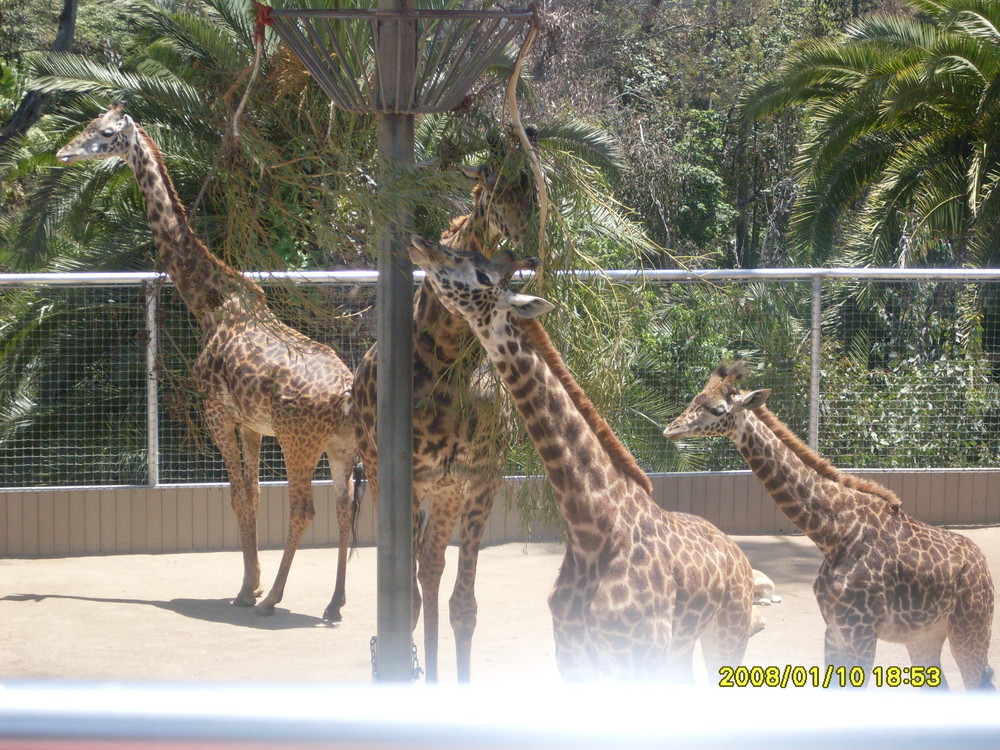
pixel 461 424
pixel 638 585
pixel 257 375
pixel 884 574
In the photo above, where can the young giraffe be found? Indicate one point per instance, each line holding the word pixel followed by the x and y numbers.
pixel 460 424
pixel 257 375
pixel 884 575
pixel 638 585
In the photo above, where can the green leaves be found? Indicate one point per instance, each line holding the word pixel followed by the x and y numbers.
pixel 901 154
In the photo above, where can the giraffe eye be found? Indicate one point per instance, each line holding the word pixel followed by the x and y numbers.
pixel 107 132
pixel 717 410
pixel 482 278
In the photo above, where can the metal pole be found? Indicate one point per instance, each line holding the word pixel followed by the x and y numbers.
pixel 152 388
pixel 394 655
pixel 817 320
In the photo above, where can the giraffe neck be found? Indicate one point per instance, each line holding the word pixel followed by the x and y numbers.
pixel 440 335
pixel 204 282
pixel 474 230
pixel 590 471
pixel 811 496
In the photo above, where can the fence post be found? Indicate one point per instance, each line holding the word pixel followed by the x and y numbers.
pixel 152 387
pixel 817 320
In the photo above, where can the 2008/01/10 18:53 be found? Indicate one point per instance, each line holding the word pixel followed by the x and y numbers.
pixel 828 677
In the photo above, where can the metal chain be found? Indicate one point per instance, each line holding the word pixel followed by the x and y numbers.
pixel 414 674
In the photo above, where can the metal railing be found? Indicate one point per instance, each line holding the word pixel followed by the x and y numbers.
pixel 955 330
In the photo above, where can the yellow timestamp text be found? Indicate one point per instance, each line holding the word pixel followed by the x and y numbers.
pixel 829 676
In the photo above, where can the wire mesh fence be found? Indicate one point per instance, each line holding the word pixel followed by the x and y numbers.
pixel 893 372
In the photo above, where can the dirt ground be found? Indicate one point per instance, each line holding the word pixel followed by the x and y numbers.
pixel 169 618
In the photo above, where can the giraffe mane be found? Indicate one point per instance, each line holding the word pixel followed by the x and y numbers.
pixel 821 465
pixel 618 453
pixel 458 223
pixel 455 227
pixel 175 199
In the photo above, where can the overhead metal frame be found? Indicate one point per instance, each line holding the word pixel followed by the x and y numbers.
pixel 358 56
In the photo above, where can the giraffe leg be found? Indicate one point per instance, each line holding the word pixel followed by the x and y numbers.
pixel 443 504
pixel 463 607
pixel 300 465
pixel 927 653
pixel 849 647
pixel 969 631
pixel 572 659
pixel 251 482
pixel 342 475
pixel 245 492
pixel 724 641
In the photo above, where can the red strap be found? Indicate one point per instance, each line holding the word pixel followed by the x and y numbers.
pixel 263 19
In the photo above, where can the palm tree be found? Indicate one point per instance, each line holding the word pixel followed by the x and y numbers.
pixel 295 189
pixel 901 162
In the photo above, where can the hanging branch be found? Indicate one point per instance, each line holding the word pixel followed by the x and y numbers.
pixel 529 149
pixel 233 131
pixel 263 21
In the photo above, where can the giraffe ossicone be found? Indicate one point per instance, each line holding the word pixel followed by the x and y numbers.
pixel 638 586
pixel 885 576
pixel 258 376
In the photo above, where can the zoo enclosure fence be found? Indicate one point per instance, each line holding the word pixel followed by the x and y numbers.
pixel 880 369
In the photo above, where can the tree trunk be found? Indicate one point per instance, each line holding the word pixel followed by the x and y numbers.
pixel 33 104
pixel 743 249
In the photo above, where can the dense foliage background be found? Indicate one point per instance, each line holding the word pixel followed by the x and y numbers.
pixel 723 133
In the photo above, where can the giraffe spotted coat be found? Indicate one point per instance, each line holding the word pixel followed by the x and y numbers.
pixel 638 585
pixel 885 575
pixel 257 375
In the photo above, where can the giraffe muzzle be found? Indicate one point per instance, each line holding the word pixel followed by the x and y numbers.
pixel 673 431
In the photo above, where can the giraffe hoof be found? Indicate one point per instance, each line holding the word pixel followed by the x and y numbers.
pixel 264 609
pixel 332 614
pixel 245 601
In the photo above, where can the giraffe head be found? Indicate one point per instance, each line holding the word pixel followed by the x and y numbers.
pixel 719 409
pixel 474 286
pixel 107 135
pixel 504 203
pixel 503 198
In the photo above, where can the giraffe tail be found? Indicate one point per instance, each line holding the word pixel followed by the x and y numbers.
pixel 359 478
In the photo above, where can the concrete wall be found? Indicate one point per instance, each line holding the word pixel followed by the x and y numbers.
pixel 60 522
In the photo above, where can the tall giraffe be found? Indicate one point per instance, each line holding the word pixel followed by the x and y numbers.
pixel 884 575
pixel 638 585
pixel 257 375
pixel 460 424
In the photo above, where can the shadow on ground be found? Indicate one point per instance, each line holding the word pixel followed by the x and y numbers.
pixel 206 610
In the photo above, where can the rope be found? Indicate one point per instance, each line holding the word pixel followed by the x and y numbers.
pixel 529 149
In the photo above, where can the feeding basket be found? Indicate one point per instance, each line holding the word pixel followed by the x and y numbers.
pixel 397 62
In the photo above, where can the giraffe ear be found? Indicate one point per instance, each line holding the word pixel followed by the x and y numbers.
pixel 526 306
pixel 754 399
pixel 420 250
